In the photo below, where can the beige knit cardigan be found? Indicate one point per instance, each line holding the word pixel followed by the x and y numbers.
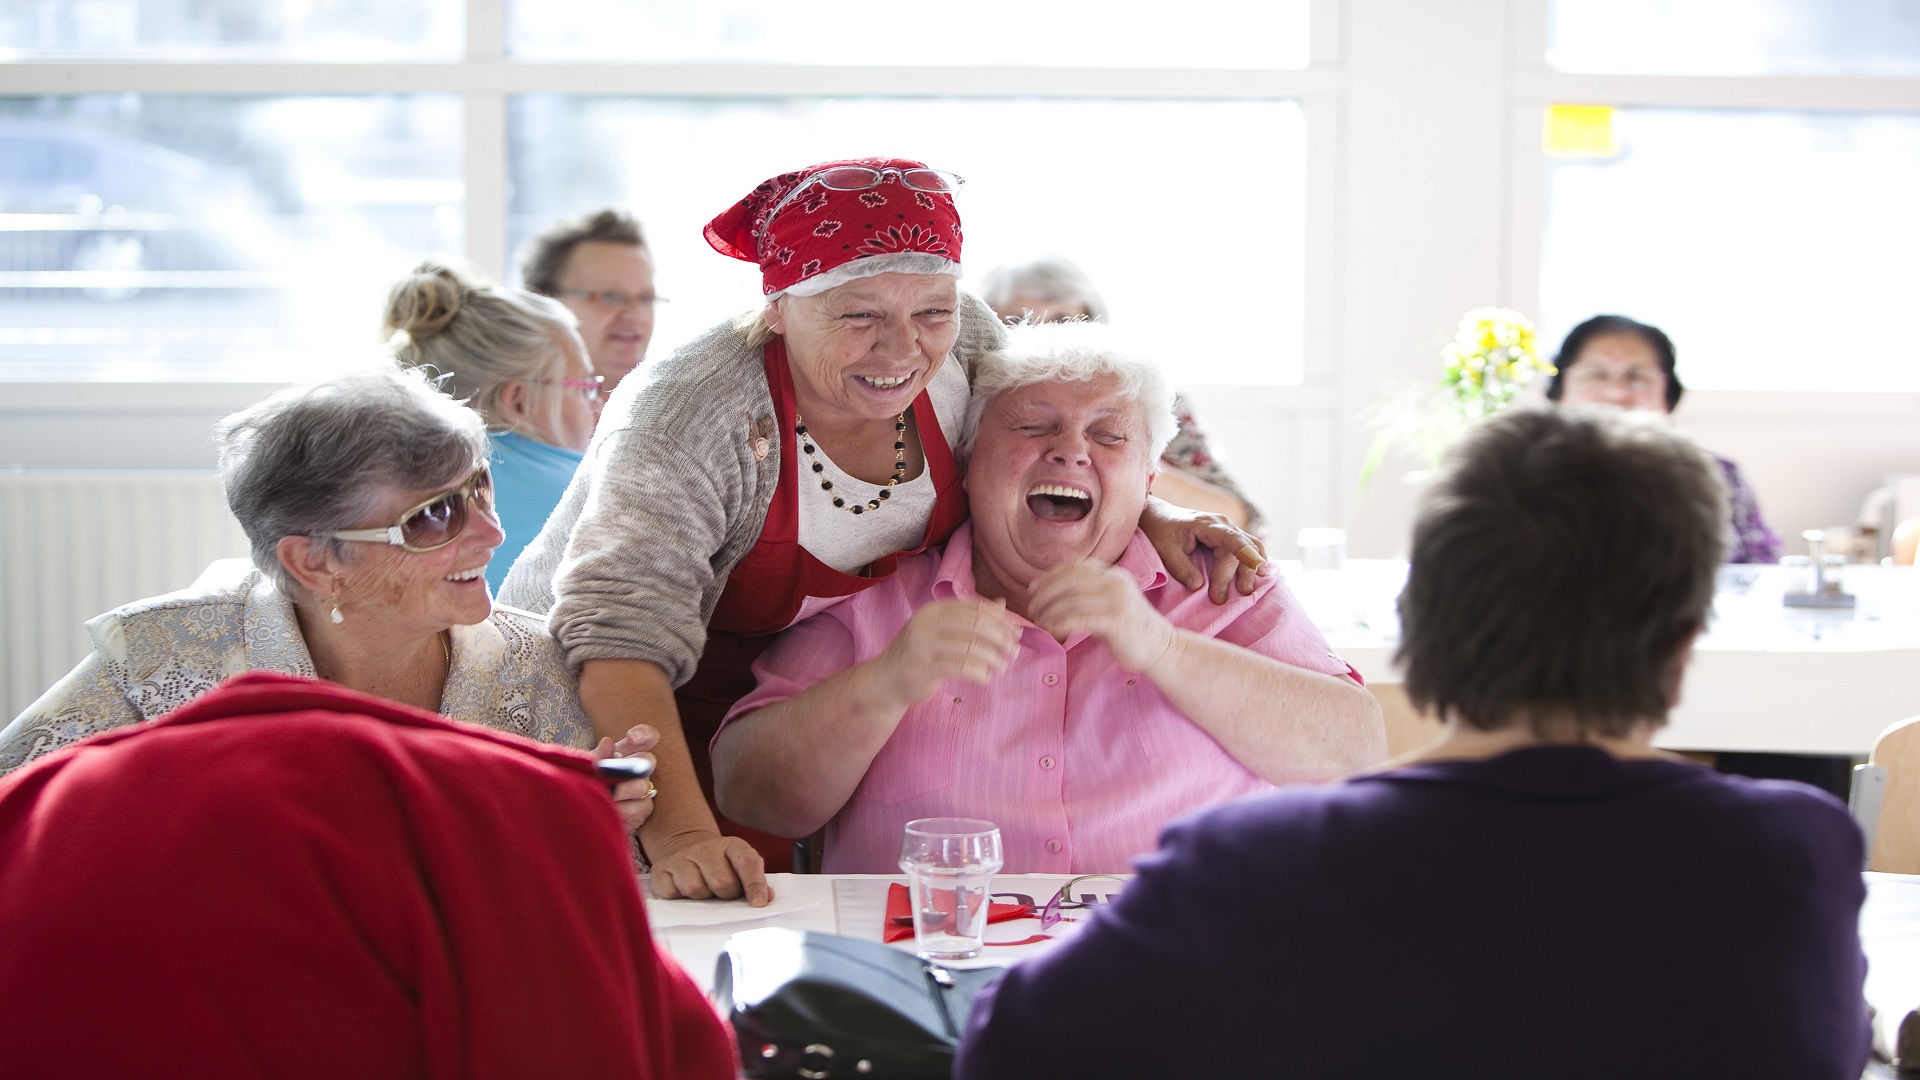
pixel 672 494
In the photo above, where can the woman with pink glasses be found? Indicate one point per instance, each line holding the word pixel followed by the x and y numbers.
pixel 517 360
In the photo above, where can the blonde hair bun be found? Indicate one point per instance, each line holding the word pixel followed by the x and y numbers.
pixel 426 301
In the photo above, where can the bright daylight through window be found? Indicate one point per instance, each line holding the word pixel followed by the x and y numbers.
pixel 1132 227
pixel 1775 245
pixel 249 235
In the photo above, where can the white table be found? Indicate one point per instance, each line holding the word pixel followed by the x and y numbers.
pixel 853 905
pixel 1764 676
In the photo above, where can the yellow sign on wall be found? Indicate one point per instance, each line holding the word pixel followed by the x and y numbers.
pixel 1579 131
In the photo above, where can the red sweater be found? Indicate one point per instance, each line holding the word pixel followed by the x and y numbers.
pixel 287 878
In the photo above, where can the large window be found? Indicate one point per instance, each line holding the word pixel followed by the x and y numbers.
pixel 1776 248
pixel 322 30
pixel 1736 37
pixel 158 237
pixel 1739 172
pixel 239 216
pixel 1060 33
pixel 1063 176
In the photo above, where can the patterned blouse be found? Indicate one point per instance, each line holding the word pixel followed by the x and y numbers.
pixel 1188 452
pixel 1749 539
pixel 152 656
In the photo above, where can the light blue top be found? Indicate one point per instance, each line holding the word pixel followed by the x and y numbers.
pixel 528 479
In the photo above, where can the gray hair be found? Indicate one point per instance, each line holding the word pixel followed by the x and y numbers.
pixel 477 337
pixel 754 327
pixel 1072 351
pixel 1561 561
pixel 1051 277
pixel 319 457
pixel 547 254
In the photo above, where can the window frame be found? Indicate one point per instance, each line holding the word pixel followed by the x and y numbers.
pixel 1533 86
pixel 486 75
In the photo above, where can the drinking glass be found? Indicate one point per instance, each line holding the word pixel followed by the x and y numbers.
pixel 950 863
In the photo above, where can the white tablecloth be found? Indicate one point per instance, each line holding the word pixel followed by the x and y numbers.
pixel 1764 676
pixel 854 905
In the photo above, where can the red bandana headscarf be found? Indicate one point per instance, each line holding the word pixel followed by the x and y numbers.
pixel 827 237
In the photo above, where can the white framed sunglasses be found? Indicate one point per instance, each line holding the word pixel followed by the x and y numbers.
pixel 433 524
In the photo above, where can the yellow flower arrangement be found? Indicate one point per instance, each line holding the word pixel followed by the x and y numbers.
pixel 1493 356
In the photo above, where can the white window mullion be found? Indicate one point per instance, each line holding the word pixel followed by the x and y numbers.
pixel 1799 93
pixel 486 176
pixel 485 146
pixel 486 30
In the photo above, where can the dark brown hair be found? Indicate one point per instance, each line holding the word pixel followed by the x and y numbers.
pixel 1560 562
pixel 547 254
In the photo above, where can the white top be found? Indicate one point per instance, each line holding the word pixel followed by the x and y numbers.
pixel 847 541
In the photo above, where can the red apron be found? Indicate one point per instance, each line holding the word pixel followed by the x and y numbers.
pixel 766 590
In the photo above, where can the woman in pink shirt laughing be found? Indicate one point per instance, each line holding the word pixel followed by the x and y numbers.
pixel 1044 670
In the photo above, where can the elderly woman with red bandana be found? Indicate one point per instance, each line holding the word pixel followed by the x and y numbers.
pixel 773 467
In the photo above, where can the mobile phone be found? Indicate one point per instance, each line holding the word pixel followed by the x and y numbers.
pixel 619 770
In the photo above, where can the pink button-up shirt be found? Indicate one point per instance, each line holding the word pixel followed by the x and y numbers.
pixel 1077 760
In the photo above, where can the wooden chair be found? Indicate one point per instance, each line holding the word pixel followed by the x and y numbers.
pixel 1407 727
pixel 1891 821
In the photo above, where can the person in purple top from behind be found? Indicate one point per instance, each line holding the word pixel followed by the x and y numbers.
pixel 1540 892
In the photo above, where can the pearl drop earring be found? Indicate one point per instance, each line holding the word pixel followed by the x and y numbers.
pixel 337 617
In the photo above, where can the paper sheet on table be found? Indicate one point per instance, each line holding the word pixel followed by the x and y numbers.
pixel 671 914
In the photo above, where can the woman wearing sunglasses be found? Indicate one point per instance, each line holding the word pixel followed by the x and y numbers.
pixel 516 359
pixel 368 507
pixel 774 466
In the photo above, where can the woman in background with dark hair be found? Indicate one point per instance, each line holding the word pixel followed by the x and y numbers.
pixel 1616 361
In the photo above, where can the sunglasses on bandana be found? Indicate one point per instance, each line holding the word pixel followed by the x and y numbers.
pixel 862 177
pixel 433 524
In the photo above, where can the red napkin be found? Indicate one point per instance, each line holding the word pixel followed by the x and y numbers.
pixel 900 913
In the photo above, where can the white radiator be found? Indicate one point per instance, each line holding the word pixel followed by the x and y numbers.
pixel 76 543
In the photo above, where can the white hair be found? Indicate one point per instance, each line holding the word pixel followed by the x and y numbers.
pixel 320 456
pixel 1072 351
pixel 898 262
pixel 1053 278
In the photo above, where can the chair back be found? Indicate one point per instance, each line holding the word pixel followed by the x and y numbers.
pixel 1408 728
pixel 1894 838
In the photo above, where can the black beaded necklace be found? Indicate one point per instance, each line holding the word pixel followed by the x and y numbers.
pixel 826 485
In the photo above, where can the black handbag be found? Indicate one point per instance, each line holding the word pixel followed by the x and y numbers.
pixel 819 1005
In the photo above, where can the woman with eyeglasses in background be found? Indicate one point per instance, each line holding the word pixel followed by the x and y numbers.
pixel 368 509
pixel 1611 361
pixel 775 465
pixel 600 267
pixel 516 359
pixel 1052 288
